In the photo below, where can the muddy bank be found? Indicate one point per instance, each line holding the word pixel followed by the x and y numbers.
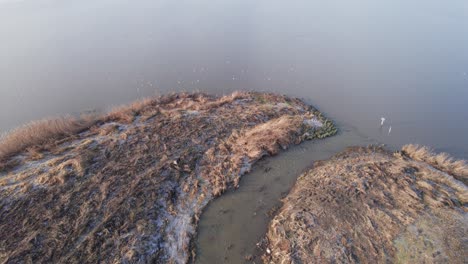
pixel 131 186
pixel 368 205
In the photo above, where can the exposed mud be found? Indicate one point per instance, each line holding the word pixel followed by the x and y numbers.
pixel 131 187
pixel 367 205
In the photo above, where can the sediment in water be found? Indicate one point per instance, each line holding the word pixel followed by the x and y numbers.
pixel 130 185
pixel 368 205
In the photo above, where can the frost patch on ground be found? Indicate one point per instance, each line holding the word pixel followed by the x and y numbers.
pixel 313 122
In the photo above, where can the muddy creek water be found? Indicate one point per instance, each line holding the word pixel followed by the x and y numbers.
pixel 405 61
pixel 234 223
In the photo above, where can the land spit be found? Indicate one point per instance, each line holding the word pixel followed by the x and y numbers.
pixel 129 186
pixel 368 205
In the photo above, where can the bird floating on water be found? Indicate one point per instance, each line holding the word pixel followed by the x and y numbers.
pixel 382 120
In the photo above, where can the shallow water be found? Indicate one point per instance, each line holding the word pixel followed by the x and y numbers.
pixel 404 60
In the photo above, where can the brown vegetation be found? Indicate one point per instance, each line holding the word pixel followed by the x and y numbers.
pixel 442 161
pixel 127 113
pixel 131 187
pixel 41 132
pixel 367 205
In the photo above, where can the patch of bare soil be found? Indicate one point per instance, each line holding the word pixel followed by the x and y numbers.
pixel 130 188
pixel 367 205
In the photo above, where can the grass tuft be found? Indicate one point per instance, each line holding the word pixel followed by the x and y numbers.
pixel 442 161
pixel 41 132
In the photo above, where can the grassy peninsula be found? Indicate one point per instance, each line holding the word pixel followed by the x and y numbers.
pixel 129 186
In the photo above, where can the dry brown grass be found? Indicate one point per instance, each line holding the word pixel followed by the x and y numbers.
pixel 442 161
pixel 41 132
pixel 270 137
pixel 127 113
pixel 366 205
pixel 150 106
pixel 33 134
pixel 131 188
pixel 243 148
pixel 37 133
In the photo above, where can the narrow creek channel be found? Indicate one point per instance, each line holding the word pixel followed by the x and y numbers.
pixel 232 225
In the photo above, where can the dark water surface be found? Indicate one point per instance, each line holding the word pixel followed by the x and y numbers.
pixel 355 60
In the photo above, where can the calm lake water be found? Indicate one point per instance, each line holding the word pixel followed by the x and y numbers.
pixel 404 60
pixel 355 60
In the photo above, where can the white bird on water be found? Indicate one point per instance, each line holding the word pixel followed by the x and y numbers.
pixel 382 120
pixel 390 130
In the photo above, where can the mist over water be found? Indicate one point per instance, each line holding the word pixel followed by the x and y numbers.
pixel 405 61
